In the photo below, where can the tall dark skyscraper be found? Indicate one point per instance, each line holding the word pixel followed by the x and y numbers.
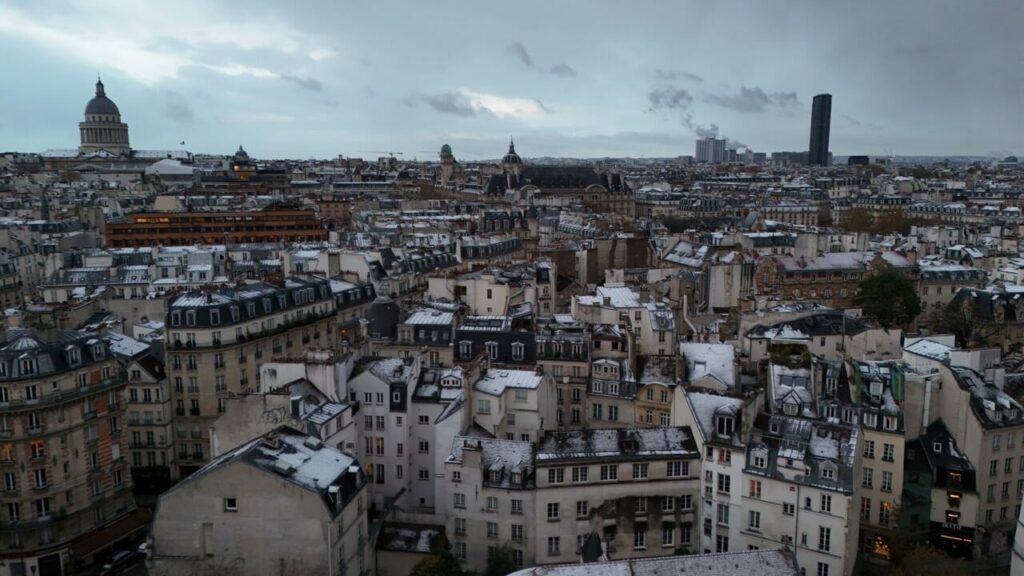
pixel 821 120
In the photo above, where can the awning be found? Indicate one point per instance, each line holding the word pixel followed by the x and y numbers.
pixel 95 541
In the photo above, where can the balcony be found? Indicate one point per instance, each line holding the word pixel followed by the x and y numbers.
pixel 65 397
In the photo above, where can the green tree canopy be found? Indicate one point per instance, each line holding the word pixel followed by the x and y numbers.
pixel 890 297
pixel 501 561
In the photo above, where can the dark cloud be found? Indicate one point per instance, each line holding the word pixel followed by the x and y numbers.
pixel 521 53
pixel 518 49
pixel 304 82
pixel 669 98
pixel 563 70
pixel 446 103
pixel 674 75
pixel 177 108
pixel 756 100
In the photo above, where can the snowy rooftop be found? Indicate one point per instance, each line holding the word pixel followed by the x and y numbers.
pixel 749 563
pixel 495 382
pixel 124 346
pixel 423 316
pixel 709 359
pixel 631 443
pixel 618 296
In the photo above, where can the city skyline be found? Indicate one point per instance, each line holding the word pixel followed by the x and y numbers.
pixel 302 82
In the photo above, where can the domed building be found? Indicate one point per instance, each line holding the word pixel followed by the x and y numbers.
pixel 102 130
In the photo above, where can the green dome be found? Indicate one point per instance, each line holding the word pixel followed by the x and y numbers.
pixel 446 149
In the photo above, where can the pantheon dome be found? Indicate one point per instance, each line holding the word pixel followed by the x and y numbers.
pixel 102 129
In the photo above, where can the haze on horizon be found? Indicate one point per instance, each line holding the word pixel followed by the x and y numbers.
pixel 575 78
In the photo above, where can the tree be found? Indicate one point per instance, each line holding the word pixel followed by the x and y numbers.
pixel 440 563
pixel 501 561
pixel 890 297
pixel 925 561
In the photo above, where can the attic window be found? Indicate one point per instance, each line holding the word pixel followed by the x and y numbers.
pixel 790 408
pixel 517 350
pixel 190 317
pixel 465 348
pixel 74 357
pixel 724 425
pixel 828 472
pixel 494 476
pixel 28 366
pixel 175 318
pixel 234 313
pixel 214 317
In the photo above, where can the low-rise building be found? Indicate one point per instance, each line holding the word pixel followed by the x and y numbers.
pixel 282 503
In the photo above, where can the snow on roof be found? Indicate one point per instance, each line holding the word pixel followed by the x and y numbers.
pixel 429 316
pixel 495 382
pixel 930 349
pixel 704 407
pixel 121 345
pixel 610 443
pixel 749 563
pixel 709 359
pixel 618 295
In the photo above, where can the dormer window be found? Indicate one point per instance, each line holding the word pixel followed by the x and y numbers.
pixel 215 317
pixel 251 309
pixel 876 388
pixel 465 348
pixel 492 350
pixel 176 318
pixel 889 422
pixel 282 301
pixel 517 478
pixel 937 447
pixel 494 476
pixel 190 317
pixel 234 313
pixel 790 408
pixel 28 365
pixel 266 305
pixel 3 369
pixel 73 355
pixel 828 472
pixel 724 425
pixel 97 350
pixel 518 350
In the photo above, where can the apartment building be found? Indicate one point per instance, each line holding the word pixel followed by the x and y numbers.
pixel 636 488
pixel 878 390
pixel 218 339
pixel 282 503
pixel 490 499
pixel 513 404
pixel 62 451
pixel 800 490
pixel 564 351
pixel 721 424
pixel 150 434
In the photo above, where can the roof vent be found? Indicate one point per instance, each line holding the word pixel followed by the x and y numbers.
pixel 312 443
pixel 282 467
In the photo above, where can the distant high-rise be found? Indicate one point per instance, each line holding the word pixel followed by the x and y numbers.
pixel 711 150
pixel 821 120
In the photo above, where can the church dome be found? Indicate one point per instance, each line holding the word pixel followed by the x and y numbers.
pixel 100 104
pixel 446 149
pixel 511 157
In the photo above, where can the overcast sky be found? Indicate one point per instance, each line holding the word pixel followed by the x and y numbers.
pixel 565 78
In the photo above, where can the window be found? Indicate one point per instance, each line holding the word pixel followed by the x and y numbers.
pixel 822 569
pixel 640 537
pixel 553 511
pixel 884 509
pixel 231 505
pixel 582 509
pixel 554 546
pixel 866 481
pixel 492 503
pixel 483 406
pixel 677 469
pixel 460 550
pixel 579 474
pixel 826 503
pixel 668 536
pixel 517 351
pixel 865 510
pixel 723 514
pixel 721 543
pixel 556 475
pixel 723 483
pixel 517 532
pixel 887 452
pixel 824 539
pixel 424 447
pixel 609 472
pixel 788 508
pixel 755 520
pixel 640 471
pixel 460 526
pixel 492 350
pixel 886 481
pixel 10 481
pixel 869 449
pixel 686 502
pixel 517 506
pixel 424 474
pixel 460 500
pixel 40 478
pixel 640 505
pixel 492 529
